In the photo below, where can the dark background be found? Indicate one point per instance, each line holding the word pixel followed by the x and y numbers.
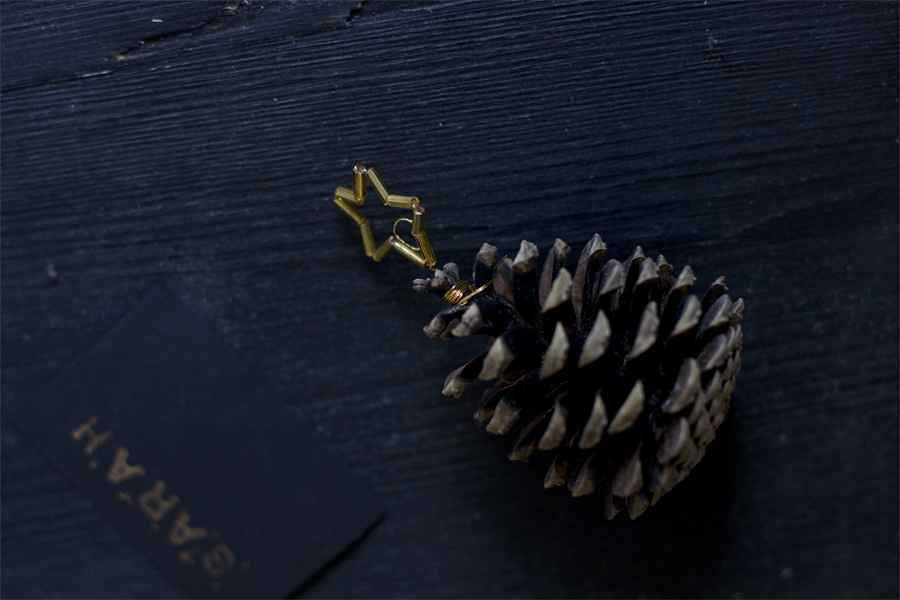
pixel 755 141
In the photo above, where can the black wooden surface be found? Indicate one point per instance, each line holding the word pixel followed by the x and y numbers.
pixel 755 141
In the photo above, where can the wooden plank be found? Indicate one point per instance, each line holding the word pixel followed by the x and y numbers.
pixel 750 141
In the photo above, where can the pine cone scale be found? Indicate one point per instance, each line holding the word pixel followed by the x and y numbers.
pixel 588 265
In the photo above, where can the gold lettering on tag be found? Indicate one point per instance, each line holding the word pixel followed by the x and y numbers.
pixel 120 470
pixel 182 533
pixel 217 561
pixel 94 440
pixel 153 504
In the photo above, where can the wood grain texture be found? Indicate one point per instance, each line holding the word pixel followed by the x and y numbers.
pixel 755 141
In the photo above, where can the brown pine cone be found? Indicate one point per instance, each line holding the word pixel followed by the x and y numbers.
pixel 617 370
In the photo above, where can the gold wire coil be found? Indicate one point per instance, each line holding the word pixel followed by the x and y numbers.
pixel 462 292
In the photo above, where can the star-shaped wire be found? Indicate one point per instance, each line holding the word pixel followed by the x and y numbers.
pixel 347 200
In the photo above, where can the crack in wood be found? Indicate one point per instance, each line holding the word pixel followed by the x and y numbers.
pixel 356 12
pixel 229 12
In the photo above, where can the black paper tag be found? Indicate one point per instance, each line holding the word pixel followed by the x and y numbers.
pixel 196 459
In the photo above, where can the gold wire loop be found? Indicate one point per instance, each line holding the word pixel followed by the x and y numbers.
pixel 397 221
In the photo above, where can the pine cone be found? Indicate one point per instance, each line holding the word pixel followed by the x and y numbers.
pixel 617 370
